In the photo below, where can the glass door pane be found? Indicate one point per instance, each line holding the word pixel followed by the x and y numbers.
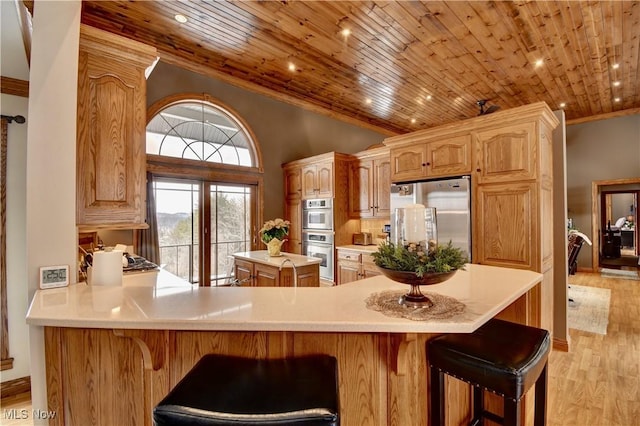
pixel 230 228
pixel 177 212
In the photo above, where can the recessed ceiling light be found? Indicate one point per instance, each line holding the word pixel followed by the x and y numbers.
pixel 413 121
pixel 615 66
pixel 292 66
pixel 539 63
pixel 563 104
pixel 368 101
pixel 616 99
pixel 346 32
pixel 428 97
pixel 180 18
pixel 617 83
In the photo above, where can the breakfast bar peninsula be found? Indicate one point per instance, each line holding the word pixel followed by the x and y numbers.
pixel 113 352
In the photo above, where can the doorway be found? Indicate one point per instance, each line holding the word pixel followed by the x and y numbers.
pixel 614 224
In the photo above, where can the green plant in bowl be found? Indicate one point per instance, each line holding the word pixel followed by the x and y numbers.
pixel 412 258
pixel 414 265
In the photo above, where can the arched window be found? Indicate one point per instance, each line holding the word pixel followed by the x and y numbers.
pixel 200 130
pixel 207 186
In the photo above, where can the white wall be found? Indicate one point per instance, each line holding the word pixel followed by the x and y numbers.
pixel 17 294
pixel 51 157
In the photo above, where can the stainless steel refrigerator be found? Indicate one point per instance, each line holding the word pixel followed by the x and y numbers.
pixel 452 199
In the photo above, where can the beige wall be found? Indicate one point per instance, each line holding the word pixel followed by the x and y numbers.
pixel 17 297
pixel 51 160
pixel 599 150
pixel 283 131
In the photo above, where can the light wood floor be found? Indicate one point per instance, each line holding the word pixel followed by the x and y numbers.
pixel 596 383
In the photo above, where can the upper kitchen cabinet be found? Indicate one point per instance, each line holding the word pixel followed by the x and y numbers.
pixel 507 153
pixel 422 156
pixel 318 175
pixel 369 184
pixel 111 168
pixel 317 180
pixel 293 182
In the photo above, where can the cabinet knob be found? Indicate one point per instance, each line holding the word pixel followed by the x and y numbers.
pixel 424 164
pixel 428 164
pixel 478 170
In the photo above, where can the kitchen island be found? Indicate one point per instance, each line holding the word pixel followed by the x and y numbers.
pixel 258 269
pixel 113 352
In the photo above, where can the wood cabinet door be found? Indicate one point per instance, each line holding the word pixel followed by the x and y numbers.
pixel 507 154
pixel 448 157
pixel 409 162
pixel 382 186
pixel 506 226
pixel 369 268
pixel 111 155
pixel 324 179
pixel 348 271
pixel 293 213
pixel 361 189
pixel 293 182
pixel 265 276
pixel 243 272
pixel 309 178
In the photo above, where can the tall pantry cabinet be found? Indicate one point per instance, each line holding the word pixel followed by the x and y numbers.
pixel 510 163
pixel 111 189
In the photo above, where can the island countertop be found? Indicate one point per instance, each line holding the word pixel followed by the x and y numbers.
pixel 175 305
pixel 262 256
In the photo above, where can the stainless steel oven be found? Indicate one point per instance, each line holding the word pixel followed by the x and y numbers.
pixel 320 245
pixel 318 214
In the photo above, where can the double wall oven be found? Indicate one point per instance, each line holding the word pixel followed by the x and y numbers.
pixel 317 233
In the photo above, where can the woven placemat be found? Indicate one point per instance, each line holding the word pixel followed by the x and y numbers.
pixel 386 302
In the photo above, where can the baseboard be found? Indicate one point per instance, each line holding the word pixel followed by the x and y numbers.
pixel 561 345
pixel 15 387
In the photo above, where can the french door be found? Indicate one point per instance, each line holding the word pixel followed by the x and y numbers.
pixel 201 224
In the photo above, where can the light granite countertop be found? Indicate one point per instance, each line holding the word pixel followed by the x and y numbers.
pixel 173 304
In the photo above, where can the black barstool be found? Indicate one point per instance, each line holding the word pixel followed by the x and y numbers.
pixel 503 357
pixel 228 390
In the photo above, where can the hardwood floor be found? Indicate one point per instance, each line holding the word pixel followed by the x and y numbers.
pixel 597 383
pixel 16 411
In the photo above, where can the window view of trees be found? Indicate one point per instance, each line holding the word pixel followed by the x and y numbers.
pixel 178 211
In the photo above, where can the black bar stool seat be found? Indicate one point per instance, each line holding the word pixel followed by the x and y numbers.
pixel 503 357
pixel 227 390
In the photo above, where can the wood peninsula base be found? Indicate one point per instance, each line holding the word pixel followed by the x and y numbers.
pixel 116 376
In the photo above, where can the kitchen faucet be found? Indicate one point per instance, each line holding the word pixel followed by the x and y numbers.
pixel 295 271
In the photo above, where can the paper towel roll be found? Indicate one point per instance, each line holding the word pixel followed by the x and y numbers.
pixel 107 268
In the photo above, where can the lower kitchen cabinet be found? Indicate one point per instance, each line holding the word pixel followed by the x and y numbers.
pixel 354 265
pixel 255 274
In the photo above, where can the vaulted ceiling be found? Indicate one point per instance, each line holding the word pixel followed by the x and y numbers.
pixel 404 65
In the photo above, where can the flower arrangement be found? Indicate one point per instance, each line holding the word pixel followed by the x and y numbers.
pixel 412 258
pixel 277 228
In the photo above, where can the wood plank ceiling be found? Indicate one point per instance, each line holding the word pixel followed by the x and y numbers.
pixel 405 65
